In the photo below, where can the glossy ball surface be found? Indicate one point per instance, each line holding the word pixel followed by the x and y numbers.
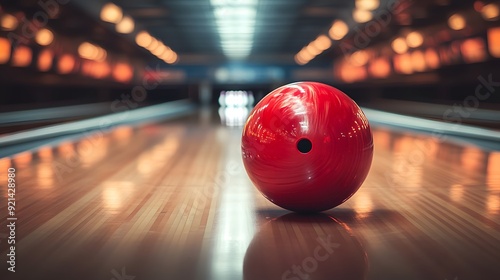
pixel 307 147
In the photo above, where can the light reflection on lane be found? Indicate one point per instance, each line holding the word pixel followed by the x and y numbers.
pixel 235 220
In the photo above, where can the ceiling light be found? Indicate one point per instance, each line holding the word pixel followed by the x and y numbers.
pixel 361 16
pixel 143 39
pixel 367 4
pixel 229 2
pixel 236 25
pixel 9 22
pixel 92 52
pixel 322 42
pixel 456 22
pixel 399 45
pixel 125 26
pixel 313 50
pixel 359 58
pixel 414 39
pixel 305 55
pixel 338 30
pixel 234 12
pixel 490 11
pixel 111 13
pixel 44 37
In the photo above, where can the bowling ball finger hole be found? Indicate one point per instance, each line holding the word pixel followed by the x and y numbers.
pixel 304 145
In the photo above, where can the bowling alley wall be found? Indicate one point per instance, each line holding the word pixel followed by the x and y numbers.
pixel 54 53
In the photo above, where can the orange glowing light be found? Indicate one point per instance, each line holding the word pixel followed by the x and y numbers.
pixel 90 51
pixel 361 16
pixel 111 13
pixel 143 39
pixel 22 56
pixel 473 50
pixel 66 64
pixel 126 25
pixel 172 58
pixel 402 64
pixel 159 50
pixel 44 37
pixel 359 58
pixel 4 50
pixel 494 41
pixel 305 55
pixel 350 73
pixel 456 22
pixel 322 42
pixel 380 68
pixel 490 12
pixel 45 59
pixel 299 60
pixel 431 58
pixel 338 30
pixel 367 4
pixel 101 70
pixel 418 61
pixel 414 39
pixel 153 45
pixel 312 50
pixel 122 72
pixel 399 45
pixel 8 22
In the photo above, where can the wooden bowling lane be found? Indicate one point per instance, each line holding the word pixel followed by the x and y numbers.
pixel 172 201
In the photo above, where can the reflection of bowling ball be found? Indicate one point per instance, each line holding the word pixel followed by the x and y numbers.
pixel 295 247
pixel 307 147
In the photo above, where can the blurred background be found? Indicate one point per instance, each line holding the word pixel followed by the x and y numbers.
pixel 62 60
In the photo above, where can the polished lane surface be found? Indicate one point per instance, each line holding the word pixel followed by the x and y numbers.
pixel 172 201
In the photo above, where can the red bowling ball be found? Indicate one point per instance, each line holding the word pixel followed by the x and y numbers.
pixel 307 147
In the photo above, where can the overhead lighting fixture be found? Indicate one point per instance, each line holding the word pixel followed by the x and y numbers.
pixel 22 56
pixel 490 11
pixel 361 16
pixel 66 64
pixel 338 30
pixel 125 26
pixel 312 50
pixel 414 39
pixel 111 13
pixel 456 22
pixel 322 42
pixel 44 37
pixel 494 41
pixel 9 22
pixel 5 48
pixel 235 25
pixel 299 60
pixel 359 58
pixel 45 59
pixel 92 52
pixel 143 39
pixel 156 47
pixel 399 45
pixel 154 44
pixel 367 4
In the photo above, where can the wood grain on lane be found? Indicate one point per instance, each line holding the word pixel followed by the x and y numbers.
pixel 172 201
